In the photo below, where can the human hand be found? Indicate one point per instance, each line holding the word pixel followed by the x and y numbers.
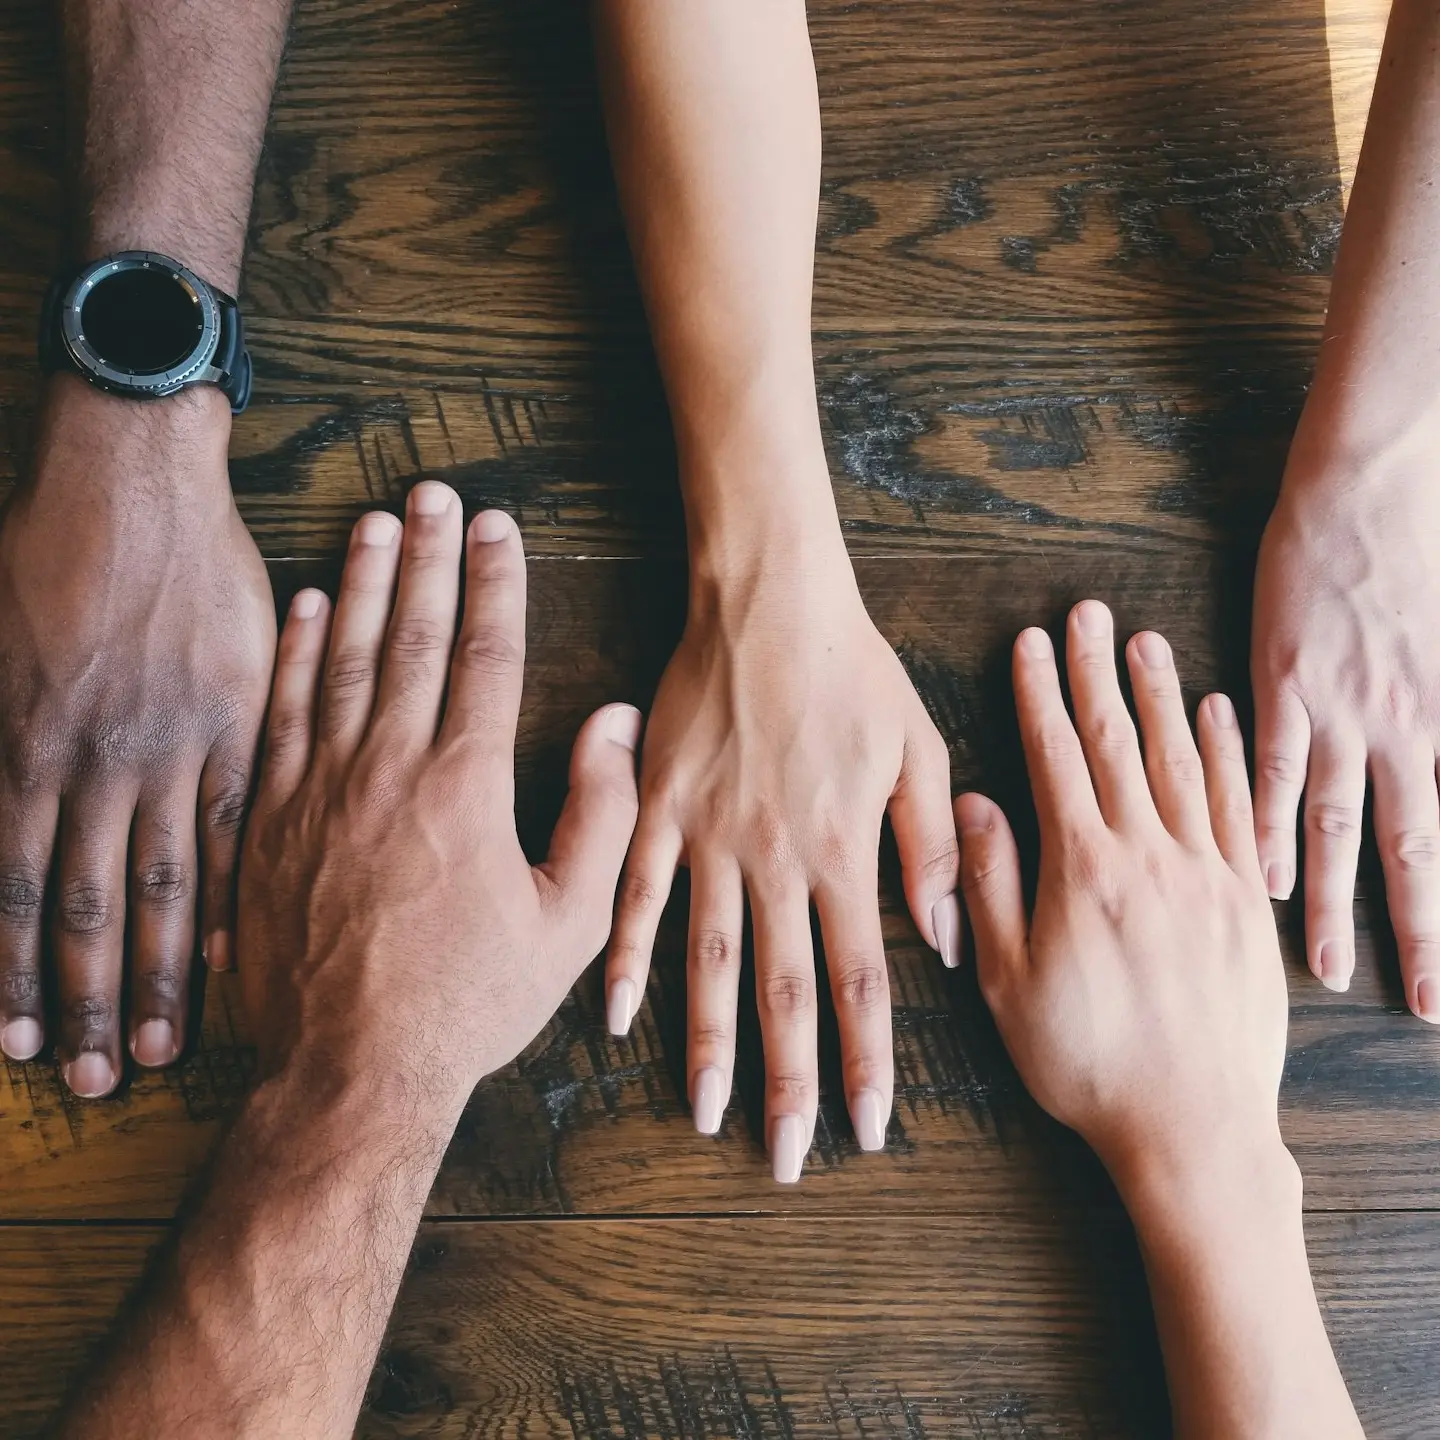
pixel 137 631
pixel 389 922
pixel 783 728
pixel 1346 672
pixel 1145 1005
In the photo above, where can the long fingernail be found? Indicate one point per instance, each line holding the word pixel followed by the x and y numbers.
pixel 1335 964
pixel 622 725
pixel 945 917
pixel 870 1118
pixel 154 1043
pixel 90 1075
pixel 710 1098
pixel 1427 1000
pixel 21 1039
pixel 620 1007
pixel 217 951
pixel 1279 880
pixel 787 1149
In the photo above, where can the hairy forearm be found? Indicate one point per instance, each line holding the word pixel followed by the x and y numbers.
pixel 168 101
pixel 265 1318
pixel 1245 1347
pixel 1377 376
pixel 714 122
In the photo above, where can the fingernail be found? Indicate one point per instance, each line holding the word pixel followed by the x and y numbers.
pixel 1335 965
pixel 1092 618
pixel 1153 650
pixel 870 1118
pixel 620 1007
pixel 431 498
pixel 377 528
pixel 1279 881
pixel 945 917
pixel 21 1039
pixel 622 725
pixel 710 1098
pixel 306 605
pixel 217 951
pixel 1036 644
pixel 90 1075
pixel 154 1043
pixel 787 1149
pixel 490 526
pixel 1427 1000
pixel 1222 712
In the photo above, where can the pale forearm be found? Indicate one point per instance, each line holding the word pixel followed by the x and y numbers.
pixel 714 122
pixel 1377 376
pixel 266 1318
pixel 1246 1352
pixel 169 100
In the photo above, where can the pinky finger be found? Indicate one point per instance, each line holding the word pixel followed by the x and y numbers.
pixel 1227 785
pixel 290 730
pixel 644 889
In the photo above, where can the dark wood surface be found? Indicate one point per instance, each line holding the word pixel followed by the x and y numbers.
pixel 1072 269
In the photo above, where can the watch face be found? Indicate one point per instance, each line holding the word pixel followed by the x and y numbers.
pixel 141 324
pixel 144 321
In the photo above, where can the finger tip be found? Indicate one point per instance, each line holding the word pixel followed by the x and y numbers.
pixel 490 527
pixel 307 604
pixel 621 724
pixel 1426 1001
pixel 1091 617
pixel 377 527
pixel 1033 643
pixel 216 951
pixel 431 497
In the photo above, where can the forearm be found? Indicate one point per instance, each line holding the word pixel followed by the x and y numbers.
pixel 266 1318
pixel 1377 376
pixel 1246 1352
pixel 714 123
pixel 169 100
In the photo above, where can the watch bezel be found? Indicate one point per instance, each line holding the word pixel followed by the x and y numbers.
pixel 195 367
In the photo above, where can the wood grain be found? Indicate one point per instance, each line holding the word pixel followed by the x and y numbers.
pixel 769 1329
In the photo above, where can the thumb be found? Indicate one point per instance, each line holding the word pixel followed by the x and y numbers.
pixel 925 837
pixel 594 829
pixel 990 877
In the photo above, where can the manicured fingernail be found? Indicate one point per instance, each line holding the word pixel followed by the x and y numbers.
pixel 306 605
pixel 490 526
pixel 217 951
pixel 1222 712
pixel 1335 965
pixel 945 917
pixel 1153 650
pixel 431 498
pixel 787 1149
pixel 377 528
pixel 1279 880
pixel 710 1098
pixel 622 725
pixel 21 1039
pixel 1092 618
pixel 154 1043
pixel 870 1118
pixel 90 1075
pixel 1427 1000
pixel 1036 644
pixel 620 1006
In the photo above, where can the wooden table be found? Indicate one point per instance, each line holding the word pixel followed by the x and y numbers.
pixel 1072 266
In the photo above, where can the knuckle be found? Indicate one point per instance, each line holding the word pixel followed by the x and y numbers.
pixel 1280 770
pixel 1083 865
pixel 1416 850
pixel 417 639
pixel 487 650
pixel 790 1088
pixel 788 994
pixel 714 952
pixel 717 1034
pixel 1336 821
pixel 982 876
pixel 22 895
pixel 163 882
pixel 1057 743
pixel 1111 736
pixel 90 1015
pixel 1181 766
pixel 638 895
pixel 225 813
pixel 289 731
pixel 861 985
pixel 941 860
pixel 164 983
pixel 87 908
pixel 20 989
pixel 351 670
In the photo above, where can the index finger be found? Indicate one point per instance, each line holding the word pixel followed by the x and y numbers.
pixel 1064 794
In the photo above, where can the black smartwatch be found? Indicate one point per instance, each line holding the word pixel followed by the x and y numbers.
pixel 142 325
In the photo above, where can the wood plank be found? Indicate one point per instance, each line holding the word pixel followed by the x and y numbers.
pixel 1081 280
pixel 1016 1330
pixel 588 1124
